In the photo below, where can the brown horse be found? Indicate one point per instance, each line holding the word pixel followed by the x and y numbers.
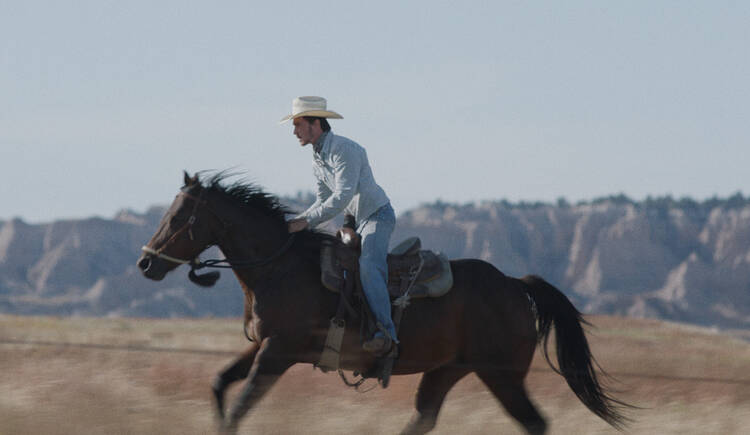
pixel 488 324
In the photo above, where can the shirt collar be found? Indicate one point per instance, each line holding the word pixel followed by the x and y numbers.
pixel 318 145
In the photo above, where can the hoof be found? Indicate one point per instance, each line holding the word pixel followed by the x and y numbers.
pixel 419 425
pixel 218 389
pixel 228 429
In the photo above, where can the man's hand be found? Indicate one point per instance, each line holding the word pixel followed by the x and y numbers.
pixel 296 225
pixel 349 236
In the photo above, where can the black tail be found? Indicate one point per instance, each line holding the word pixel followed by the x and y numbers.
pixel 576 364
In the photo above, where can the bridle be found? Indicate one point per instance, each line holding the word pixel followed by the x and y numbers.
pixel 225 263
pixel 188 226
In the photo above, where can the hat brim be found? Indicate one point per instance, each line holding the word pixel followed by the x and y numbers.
pixel 316 113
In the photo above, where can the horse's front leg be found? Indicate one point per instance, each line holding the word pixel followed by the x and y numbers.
pixel 270 363
pixel 234 372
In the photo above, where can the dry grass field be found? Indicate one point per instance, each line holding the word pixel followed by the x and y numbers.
pixel 122 378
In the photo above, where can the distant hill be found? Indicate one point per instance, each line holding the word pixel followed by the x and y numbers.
pixel 671 259
pixel 660 258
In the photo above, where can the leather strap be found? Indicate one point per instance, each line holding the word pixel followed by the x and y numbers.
pixel 344 296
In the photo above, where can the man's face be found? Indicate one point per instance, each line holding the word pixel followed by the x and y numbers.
pixel 306 132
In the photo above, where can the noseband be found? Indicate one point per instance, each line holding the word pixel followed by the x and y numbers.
pixel 225 263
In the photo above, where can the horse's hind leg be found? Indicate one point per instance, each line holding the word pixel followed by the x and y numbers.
pixel 510 391
pixel 234 372
pixel 433 387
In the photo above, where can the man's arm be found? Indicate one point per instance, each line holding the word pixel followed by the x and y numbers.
pixel 300 222
pixel 347 164
pixel 322 194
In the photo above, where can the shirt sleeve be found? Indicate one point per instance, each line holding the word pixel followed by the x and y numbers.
pixel 346 166
pixel 322 194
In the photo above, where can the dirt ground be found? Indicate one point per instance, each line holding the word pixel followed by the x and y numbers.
pixel 128 376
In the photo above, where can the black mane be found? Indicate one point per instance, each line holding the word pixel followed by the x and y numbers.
pixel 246 196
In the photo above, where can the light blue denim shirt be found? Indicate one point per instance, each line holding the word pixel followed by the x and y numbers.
pixel 345 181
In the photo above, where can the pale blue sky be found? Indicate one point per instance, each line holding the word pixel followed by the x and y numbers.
pixel 104 103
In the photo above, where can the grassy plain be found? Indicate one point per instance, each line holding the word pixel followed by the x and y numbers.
pixel 132 376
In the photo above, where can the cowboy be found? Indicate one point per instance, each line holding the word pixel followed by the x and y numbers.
pixel 345 183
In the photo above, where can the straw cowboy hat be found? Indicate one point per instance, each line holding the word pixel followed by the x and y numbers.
pixel 310 106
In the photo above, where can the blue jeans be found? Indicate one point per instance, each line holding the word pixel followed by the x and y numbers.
pixel 373 269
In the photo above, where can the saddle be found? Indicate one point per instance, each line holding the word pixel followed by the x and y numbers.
pixel 412 272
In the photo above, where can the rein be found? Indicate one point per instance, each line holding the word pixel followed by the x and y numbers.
pixel 225 263
pixel 231 264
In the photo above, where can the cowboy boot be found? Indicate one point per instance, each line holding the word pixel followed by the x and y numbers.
pixel 378 345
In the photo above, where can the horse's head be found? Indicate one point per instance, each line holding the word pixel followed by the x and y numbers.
pixel 186 230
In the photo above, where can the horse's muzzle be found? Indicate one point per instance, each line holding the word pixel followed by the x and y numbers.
pixel 149 266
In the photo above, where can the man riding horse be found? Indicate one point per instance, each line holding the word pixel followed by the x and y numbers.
pixel 345 183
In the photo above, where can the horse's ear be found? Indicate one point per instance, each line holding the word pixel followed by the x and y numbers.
pixel 189 181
